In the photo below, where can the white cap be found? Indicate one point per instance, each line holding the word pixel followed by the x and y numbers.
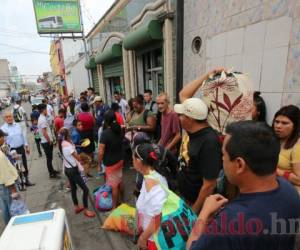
pixel 98 99
pixel 192 107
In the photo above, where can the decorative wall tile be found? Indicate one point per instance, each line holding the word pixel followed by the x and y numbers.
pixel 273 69
pixel 208 65
pixel 250 16
pixel 209 48
pixel 278 32
pixel 218 27
pixel 202 18
pixel 234 41
pixel 216 10
pixel 295 33
pixel 235 7
pixel 217 62
pixel 252 64
pixel 254 37
pixel 291 98
pixel 235 62
pixel 253 3
pixel 296 13
pixel 276 8
pixel 219 45
pixel 292 79
pixel 273 103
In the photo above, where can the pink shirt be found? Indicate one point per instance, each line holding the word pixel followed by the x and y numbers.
pixel 170 126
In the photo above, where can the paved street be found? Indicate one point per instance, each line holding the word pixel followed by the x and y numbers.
pixel 47 194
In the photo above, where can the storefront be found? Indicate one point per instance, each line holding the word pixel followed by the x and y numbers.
pixel 134 45
pixel 111 62
pixel 92 66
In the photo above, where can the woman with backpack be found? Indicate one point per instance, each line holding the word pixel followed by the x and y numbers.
pixel 111 155
pixel 72 171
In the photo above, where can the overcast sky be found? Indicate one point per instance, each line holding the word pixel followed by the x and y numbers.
pixel 18 30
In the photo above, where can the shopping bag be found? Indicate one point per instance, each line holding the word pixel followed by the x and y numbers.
pixel 121 219
pixel 18 207
pixel 229 97
pixel 103 198
pixel 177 221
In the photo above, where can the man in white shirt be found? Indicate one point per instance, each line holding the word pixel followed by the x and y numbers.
pixel 17 141
pixel 149 103
pixel 50 111
pixel 122 103
pixel 19 115
pixel 46 139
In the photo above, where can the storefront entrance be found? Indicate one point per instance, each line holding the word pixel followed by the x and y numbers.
pixel 114 80
pixel 114 84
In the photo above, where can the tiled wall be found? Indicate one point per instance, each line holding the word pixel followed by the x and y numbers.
pixel 258 37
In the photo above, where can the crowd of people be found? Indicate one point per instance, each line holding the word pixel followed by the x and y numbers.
pixel 174 147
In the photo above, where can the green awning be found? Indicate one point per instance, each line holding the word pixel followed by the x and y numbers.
pixel 113 69
pixel 109 54
pixel 150 32
pixel 90 64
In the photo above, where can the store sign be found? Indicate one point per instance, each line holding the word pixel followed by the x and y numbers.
pixel 57 16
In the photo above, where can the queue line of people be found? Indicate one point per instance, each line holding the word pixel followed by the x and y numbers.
pixel 261 161
pixel 200 154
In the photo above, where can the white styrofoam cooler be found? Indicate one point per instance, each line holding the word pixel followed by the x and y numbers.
pixel 46 230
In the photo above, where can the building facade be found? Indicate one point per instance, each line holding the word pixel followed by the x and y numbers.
pixel 132 48
pixel 5 79
pixel 258 37
pixel 77 79
pixel 77 76
pixel 16 79
pixel 58 67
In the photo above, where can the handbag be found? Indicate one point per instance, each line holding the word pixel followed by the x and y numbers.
pixel 176 224
pixel 103 198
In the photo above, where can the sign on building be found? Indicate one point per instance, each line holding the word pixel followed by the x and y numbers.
pixel 57 16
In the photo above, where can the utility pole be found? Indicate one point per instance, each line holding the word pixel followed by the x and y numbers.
pixel 85 46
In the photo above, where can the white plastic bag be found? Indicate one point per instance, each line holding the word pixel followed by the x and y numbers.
pixel 18 207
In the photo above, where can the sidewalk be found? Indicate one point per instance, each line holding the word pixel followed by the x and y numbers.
pixel 48 194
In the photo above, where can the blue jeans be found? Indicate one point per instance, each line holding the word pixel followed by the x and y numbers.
pixel 5 201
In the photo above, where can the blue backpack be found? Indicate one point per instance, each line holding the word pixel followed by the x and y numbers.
pixel 103 198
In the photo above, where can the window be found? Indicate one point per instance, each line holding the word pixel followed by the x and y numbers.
pixel 153 71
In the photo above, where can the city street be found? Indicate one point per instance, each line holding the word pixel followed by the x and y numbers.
pixel 48 194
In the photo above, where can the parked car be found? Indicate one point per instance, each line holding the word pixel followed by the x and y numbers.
pixel 36 100
pixel 2 105
pixel 6 101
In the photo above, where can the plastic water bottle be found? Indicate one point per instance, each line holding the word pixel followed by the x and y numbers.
pixel 103 170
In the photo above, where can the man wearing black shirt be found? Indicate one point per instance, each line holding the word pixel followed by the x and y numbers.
pixel 266 214
pixel 201 162
pixel 200 157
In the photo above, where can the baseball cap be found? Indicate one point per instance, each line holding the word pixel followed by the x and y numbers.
pixel 2 133
pixel 192 107
pixel 98 99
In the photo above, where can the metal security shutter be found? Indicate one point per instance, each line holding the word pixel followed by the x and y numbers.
pixel 112 69
pixel 95 80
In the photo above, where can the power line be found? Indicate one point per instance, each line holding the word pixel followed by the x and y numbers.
pixel 87 13
pixel 24 49
pixel 11 31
